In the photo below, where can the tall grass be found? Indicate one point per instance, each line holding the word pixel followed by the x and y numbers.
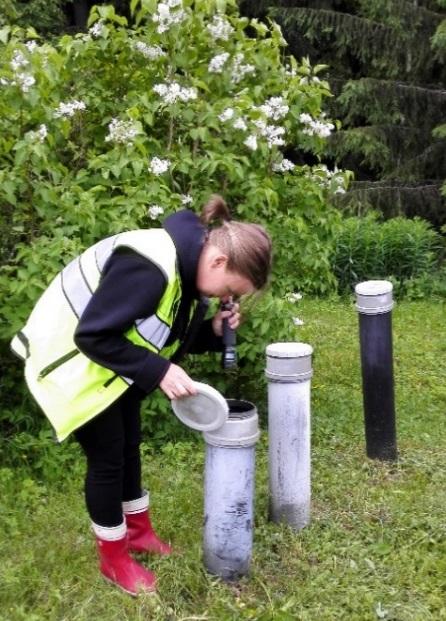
pixel 376 544
pixel 399 249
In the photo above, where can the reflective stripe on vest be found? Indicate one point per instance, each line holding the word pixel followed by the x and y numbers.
pixel 153 330
pixel 75 287
pixel 81 277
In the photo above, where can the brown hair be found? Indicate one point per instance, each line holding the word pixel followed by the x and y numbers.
pixel 247 246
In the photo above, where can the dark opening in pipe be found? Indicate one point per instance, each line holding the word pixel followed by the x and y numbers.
pixel 239 409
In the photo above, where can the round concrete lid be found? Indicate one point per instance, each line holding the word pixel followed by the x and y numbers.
pixel 205 411
pixel 374 287
pixel 288 362
pixel 289 350
pixel 374 297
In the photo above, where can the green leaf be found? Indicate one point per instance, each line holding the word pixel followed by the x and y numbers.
pixel 4 34
pixel 220 6
pixel 9 188
pixel 106 12
pixel 137 166
pixel 149 6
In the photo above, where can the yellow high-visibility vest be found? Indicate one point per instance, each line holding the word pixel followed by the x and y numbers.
pixel 69 387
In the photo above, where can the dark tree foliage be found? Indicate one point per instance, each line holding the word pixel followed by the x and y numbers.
pixel 47 17
pixel 77 11
pixel 390 93
pixel 53 17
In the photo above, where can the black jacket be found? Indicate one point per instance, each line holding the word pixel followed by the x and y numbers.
pixel 131 287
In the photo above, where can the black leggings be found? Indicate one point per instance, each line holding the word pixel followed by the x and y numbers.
pixel 111 442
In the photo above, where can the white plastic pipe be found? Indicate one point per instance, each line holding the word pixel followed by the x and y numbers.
pixel 229 492
pixel 289 373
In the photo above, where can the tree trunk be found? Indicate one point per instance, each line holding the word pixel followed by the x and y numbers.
pixel 81 9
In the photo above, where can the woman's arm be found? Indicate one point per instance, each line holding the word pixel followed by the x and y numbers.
pixel 130 288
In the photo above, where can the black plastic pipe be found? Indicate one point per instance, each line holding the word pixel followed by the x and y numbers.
pixel 229 354
pixel 374 302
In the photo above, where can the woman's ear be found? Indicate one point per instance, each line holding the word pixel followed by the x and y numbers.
pixel 219 260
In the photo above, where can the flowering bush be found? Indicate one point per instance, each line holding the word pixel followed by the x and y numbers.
pixel 110 130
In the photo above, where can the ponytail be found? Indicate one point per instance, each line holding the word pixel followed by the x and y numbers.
pixel 215 209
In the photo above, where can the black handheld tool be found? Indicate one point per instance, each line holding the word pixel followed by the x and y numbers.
pixel 229 356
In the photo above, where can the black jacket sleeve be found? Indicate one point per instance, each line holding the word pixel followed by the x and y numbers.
pixel 130 288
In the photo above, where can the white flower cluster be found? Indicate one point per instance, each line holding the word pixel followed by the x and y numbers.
pixel 23 80
pixel 165 18
pixel 121 132
pixel 239 70
pixel 328 174
pixel 335 179
pixel 226 115
pixel 272 133
pixel 18 61
pixel 154 211
pixel 172 92
pixel 275 108
pixel 40 134
pixel 251 142
pixel 31 46
pixel 316 127
pixel 186 199
pixel 340 189
pixel 217 63
pixel 97 30
pixel 157 166
pixel 70 108
pixel 220 28
pixel 328 178
pixel 309 80
pixel 293 297
pixel 152 52
pixel 283 166
pixel 240 124
pixel 305 118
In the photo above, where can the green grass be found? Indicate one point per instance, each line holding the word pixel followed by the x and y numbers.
pixel 376 544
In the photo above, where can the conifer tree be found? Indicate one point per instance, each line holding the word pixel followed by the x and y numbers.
pixel 387 71
pixel 439 45
pixel 47 17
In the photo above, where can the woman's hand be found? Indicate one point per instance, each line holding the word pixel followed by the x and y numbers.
pixel 233 316
pixel 177 383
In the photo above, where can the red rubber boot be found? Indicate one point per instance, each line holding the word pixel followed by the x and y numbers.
pixel 141 536
pixel 117 566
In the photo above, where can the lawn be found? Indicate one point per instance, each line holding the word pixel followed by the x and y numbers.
pixel 376 544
